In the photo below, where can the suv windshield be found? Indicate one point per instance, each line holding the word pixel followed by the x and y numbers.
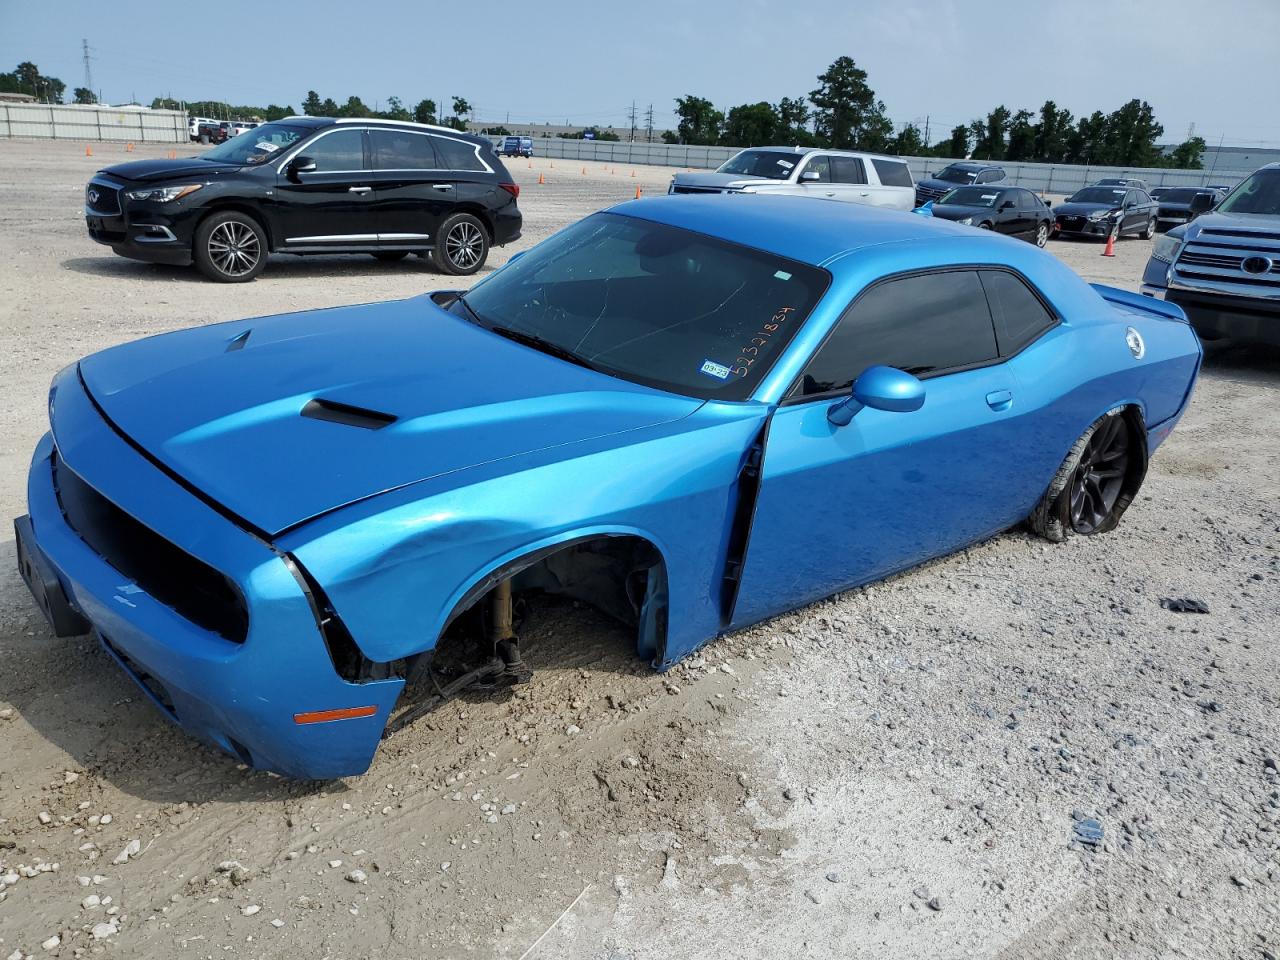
pixel 972 197
pixel 651 303
pixel 1259 194
pixel 954 174
pixel 1180 196
pixel 1113 195
pixel 256 145
pixel 771 164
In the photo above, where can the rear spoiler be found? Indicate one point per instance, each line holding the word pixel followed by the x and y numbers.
pixel 1136 301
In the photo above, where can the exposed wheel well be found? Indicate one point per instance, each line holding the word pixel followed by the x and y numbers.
pixel 227 206
pixel 480 213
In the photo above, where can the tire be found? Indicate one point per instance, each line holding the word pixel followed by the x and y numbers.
pixel 1095 484
pixel 462 245
pixel 984 226
pixel 230 247
pixel 390 256
pixel 1150 230
pixel 1042 233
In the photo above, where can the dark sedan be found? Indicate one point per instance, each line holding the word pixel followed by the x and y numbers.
pixel 1008 210
pixel 1106 212
pixel 1183 204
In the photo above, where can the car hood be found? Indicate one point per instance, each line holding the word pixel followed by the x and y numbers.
pixel 1079 209
pixel 167 169
pixel 1263 223
pixel 956 211
pixel 396 393
pixel 933 184
pixel 723 180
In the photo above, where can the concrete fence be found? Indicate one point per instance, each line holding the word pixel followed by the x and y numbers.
pixel 74 122
pixel 1041 177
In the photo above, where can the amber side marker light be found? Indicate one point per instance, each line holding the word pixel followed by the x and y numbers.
pixel 325 716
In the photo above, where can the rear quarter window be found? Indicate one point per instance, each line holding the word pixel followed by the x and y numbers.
pixel 892 173
pixel 1020 316
pixel 457 154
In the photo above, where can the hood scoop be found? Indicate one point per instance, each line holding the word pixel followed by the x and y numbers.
pixel 347 415
pixel 237 342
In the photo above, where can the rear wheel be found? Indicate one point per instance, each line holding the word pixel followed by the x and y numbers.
pixel 985 225
pixel 462 245
pixel 390 256
pixel 230 247
pixel 1095 484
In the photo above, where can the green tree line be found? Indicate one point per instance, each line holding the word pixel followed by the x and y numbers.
pixel 844 112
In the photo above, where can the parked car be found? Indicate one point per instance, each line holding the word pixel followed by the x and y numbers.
pixel 1223 268
pixel 517 147
pixel 195 123
pixel 1122 182
pixel 691 413
pixel 238 127
pixel 1183 204
pixel 1155 193
pixel 963 174
pixel 807 172
pixel 310 185
pixel 1008 210
pixel 211 131
pixel 1106 211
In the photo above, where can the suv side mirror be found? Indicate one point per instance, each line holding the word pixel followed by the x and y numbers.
pixel 301 164
pixel 810 175
pixel 882 388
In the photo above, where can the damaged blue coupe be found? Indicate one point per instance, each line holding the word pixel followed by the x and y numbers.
pixel 691 413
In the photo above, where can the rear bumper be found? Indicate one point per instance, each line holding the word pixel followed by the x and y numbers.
pixel 239 697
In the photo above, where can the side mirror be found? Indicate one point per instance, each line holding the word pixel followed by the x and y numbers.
pixel 882 388
pixel 810 175
pixel 301 164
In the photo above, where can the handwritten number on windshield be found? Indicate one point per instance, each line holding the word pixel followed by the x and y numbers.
pixel 759 340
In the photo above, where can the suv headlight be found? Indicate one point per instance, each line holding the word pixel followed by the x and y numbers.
pixel 966 220
pixel 1166 248
pixel 163 194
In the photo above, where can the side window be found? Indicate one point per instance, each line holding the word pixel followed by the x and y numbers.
pixel 1028 201
pixel 457 154
pixel 848 170
pixel 892 173
pixel 337 151
pixel 402 150
pixel 819 165
pixel 1019 314
pixel 924 324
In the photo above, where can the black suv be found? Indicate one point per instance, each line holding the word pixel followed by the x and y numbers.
pixel 962 174
pixel 309 185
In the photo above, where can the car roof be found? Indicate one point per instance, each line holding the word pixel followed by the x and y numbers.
pixel 804 151
pixel 975 165
pixel 800 228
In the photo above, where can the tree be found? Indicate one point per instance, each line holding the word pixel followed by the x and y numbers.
pixel 354 107
pixel 958 144
pixel 274 112
pixel 1131 135
pixel 908 142
pixel 1052 133
pixel 26 78
pixel 85 95
pixel 1022 137
pixel 699 120
pixel 461 108
pixel 328 108
pixel 311 104
pixel 1188 155
pixel 793 122
pixel 425 111
pixel 395 110
pixel 1087 142
pixel 989 134
pixel 498 131
pixel 669 137
pixel 751 124
pixel 847 114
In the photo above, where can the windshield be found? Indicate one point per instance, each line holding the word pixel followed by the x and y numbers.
pixel 258 144
pixel 1259 194
pixel 972 197
pixel 771 164
pixel 954 174
pixel 1109 195
pixel 1180 196
pixel 651 303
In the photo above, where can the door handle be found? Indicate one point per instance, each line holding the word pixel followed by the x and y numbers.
pixel 359 189
pixel 442 186
pixel 831 193
pixel 1000 399
pixel 864 194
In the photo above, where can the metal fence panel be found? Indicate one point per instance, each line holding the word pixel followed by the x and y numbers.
pixel 71 122
pixel 1042 177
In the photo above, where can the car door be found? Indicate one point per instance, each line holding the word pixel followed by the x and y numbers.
pixel 330 206
pixel 412 192
pixel 814 178
pixel 1029 207
pixel 851 182
pixel 1009 213
pixel 840 506
pixel 1137 209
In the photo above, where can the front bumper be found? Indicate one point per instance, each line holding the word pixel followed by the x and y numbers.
pixel 239 697
pixel 1082 227
pixel 1217 315
pixel 154 232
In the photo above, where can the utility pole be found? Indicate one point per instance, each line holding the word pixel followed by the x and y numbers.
pixel 88 72
pixel 926 129
pixel 633 121
pixel 648 124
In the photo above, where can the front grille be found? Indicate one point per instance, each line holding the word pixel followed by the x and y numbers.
pixel 925 194
pixel 107 203
pixel 162 569
pixel 1071 223
pixel 1220 256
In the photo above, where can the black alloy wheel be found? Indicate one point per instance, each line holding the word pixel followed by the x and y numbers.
pixel 462 245
pixel 230 247
pixel 1099 478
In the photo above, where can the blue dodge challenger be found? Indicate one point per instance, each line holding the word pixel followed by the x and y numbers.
pixel 296 533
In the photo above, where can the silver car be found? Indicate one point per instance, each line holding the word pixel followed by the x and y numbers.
pixel 808 172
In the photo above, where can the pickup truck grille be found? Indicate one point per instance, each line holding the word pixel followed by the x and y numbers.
pixel 1233 257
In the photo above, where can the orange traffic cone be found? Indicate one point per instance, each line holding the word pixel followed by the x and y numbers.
pixel 88 150
pixel 128 148
pixel 638 192
pixel 541 178
pixel 1110 249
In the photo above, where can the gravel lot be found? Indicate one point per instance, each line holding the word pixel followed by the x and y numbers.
pixel 892 773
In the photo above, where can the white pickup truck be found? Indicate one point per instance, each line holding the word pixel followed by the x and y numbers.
pixel 809 172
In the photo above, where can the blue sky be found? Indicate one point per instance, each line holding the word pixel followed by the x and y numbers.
pixel 1213 64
